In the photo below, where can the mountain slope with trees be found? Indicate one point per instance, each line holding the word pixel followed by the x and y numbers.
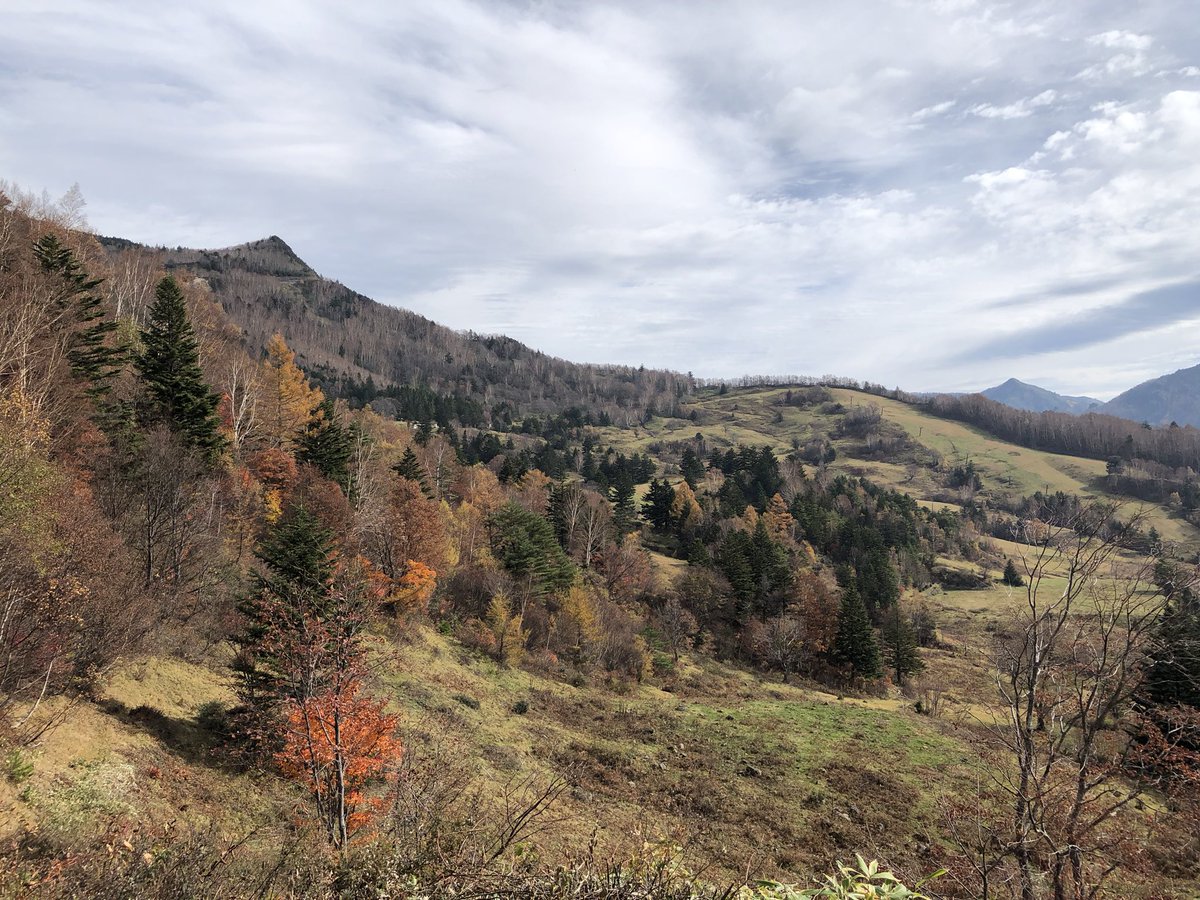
pixel 369 352
pixel 1160 401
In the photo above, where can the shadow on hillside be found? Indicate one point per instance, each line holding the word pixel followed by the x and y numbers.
pixel 187 738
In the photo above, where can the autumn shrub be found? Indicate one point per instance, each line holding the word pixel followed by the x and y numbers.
pixel 336 744
pixel 474 633
pixel 213 718
pixel 507 627
pixel 621 649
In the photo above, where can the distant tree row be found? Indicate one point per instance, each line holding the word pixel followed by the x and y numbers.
pixel 1093 435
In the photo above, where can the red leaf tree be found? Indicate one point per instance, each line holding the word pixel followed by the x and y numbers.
pixel 335 744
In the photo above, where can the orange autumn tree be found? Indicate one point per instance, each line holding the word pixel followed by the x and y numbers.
pixel 414 589
pixel 685 509
pixel 301 662
pixel 335 744
pixel 409 528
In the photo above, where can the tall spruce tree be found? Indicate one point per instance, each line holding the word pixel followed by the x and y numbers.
pixel 656 508
pixel 733 558
pixel 297 555
pixel 526 545
pixel 177 394
pixel 328 445
pixel 900 645
pixel 624 511
pixel 93 358
pixel 772 571
pixel 1173 669
pixel 691 468
pixel 410 467
pixel 855 645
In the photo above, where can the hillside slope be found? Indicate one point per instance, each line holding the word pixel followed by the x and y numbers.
pixel 1169 398
pixel 339 334
pixel 742 772
pixel 915 459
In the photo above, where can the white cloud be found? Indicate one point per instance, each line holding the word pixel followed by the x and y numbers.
pixel 1132 61
pixel 718 189
pixel 1019 109
pixel 1121 40
pixel 930 112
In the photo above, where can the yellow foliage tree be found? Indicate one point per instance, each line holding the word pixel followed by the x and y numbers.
pixel 747 521
pixel 288 401
pixel 506 628
pixel 778 519
pixel 533 491
pixel 577 626
pixel 684 508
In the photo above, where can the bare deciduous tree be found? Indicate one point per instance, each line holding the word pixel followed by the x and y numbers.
pixel 1068 663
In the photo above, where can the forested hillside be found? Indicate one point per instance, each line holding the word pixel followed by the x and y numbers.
pixel 258 640
pixel 1161 401
pixel 400 361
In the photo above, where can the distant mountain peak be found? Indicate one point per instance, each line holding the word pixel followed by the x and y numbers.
pixel 266 256
pixel 275 242
pixel 1023 395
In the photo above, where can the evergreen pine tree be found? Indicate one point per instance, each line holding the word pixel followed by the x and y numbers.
pixel 169 367
pixel 92 358
pixel 410 467
pixel 772 573
pixel 526 545
pixel 624 512
pixel 1173 670
pixel 656 508
pixel 298 556
pixel 557 511
pixel 900 645
pixel 697 554
pixel 424 432
pixel 877 580
pixel 513 468
pixel 691 468
pixel 733 558
pixel 327 445
pixel 855 644
pixel 1011 576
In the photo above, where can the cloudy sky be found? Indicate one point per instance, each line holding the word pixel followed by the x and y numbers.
pixel 930 193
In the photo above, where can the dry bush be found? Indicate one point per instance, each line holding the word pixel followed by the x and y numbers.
pixel 929 692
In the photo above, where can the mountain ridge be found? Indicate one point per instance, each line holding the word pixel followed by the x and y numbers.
pixel 354 345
